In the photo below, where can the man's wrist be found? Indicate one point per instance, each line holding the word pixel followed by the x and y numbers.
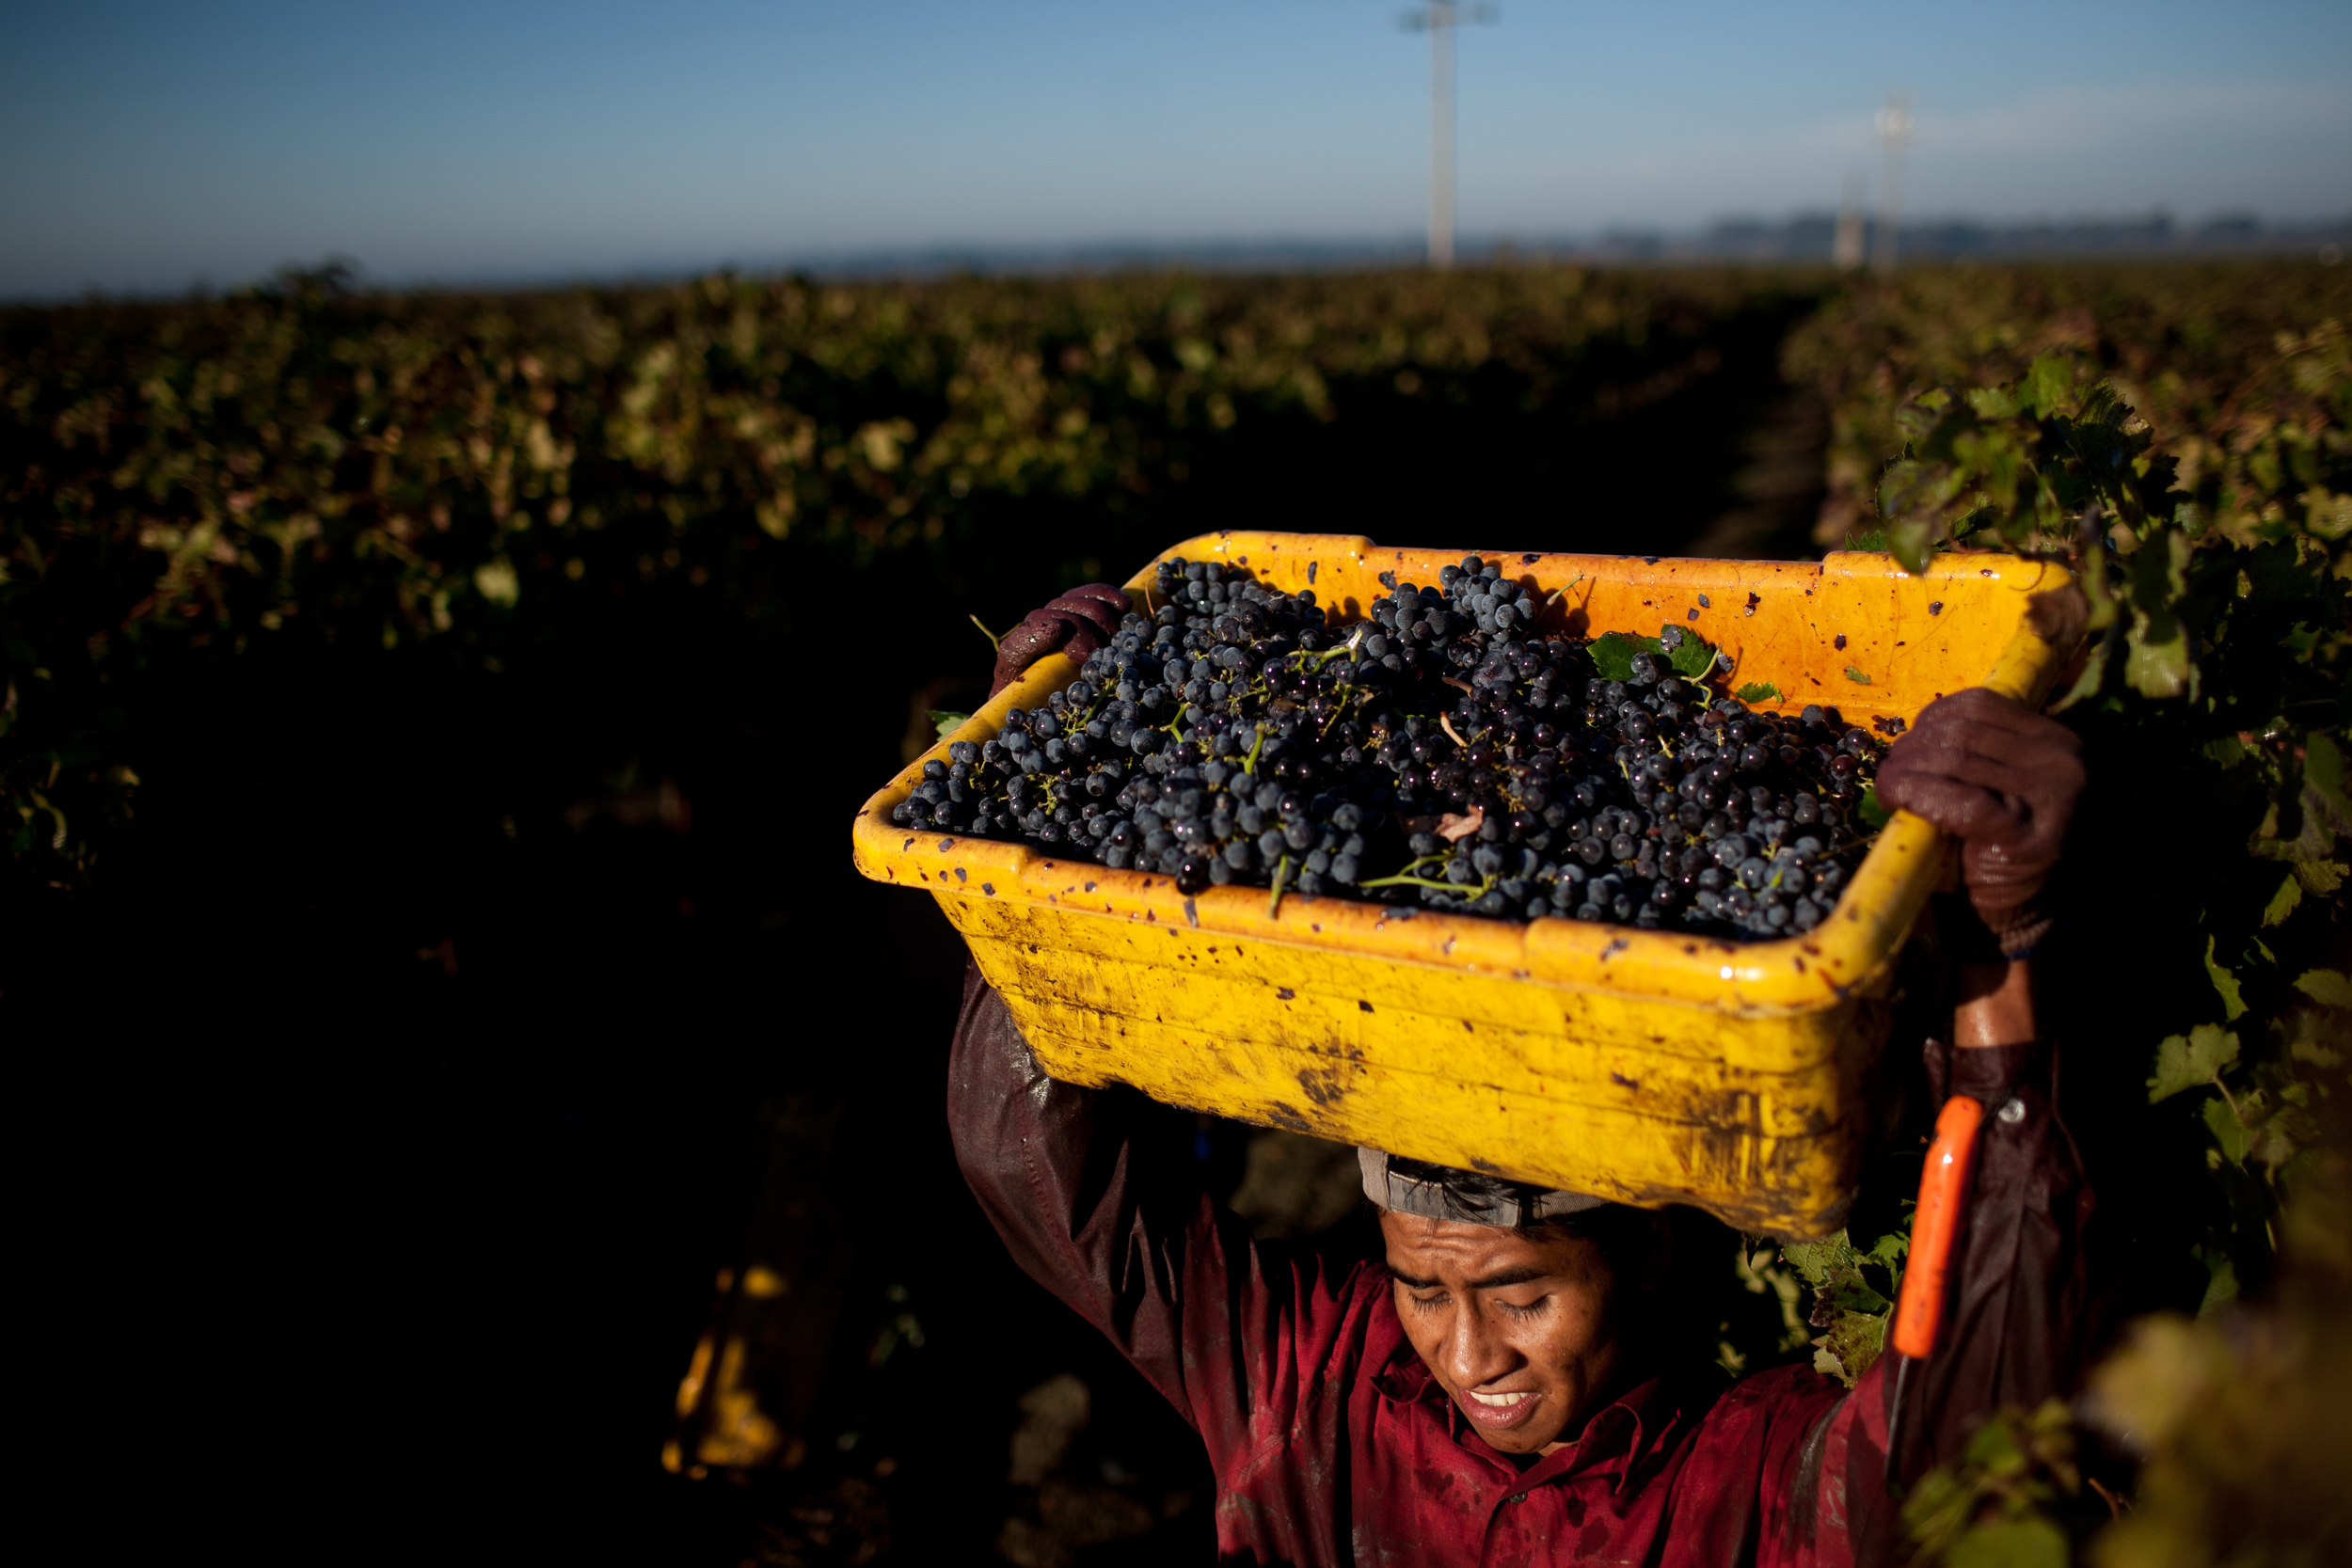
pixel 1995 1005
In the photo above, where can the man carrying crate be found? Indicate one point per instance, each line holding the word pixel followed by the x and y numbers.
pixel 1495 1391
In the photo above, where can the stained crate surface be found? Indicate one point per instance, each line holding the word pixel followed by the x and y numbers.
pixel 1647 1066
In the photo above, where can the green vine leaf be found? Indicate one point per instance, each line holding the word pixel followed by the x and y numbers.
pixel 1691 655
pixel 1849 1306
pixel 2229 1129
pixel 2224 981
pixel 2323 774
pixel 1612 653
pixel 2031 1543
pixel 2326 986
pixel 2283 901
pixel 2322 878
pixel 2187 1061
pixel 1758 691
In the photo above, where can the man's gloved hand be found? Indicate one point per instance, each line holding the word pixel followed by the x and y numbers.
pixel 2004 781
pixel 1077 624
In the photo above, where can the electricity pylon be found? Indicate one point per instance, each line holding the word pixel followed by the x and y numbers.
pixel 1845 252
pixel 1893 134
pixel 1439 18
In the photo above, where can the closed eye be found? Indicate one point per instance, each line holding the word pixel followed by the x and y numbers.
pixel 1533 1309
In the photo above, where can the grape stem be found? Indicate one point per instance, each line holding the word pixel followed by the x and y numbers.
pixel 994 641
pixel 1562 591
pixel 1330 653
pixel 1406 878
pixel 1274 901
pixel 1347 695
pixel 1460 891
pixel 1402 880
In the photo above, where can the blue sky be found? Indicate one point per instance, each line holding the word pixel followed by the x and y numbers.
pixel 150 146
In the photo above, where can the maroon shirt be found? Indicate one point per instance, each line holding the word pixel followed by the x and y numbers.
pixel 1332 1443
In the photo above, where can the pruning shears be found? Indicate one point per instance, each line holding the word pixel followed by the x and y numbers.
pixel 1934 1230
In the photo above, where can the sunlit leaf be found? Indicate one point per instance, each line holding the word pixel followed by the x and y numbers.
pixel 2010 1544
pixel 2326 986
pixel 2319 877
pixel 2229 1130
pixel 1692 656
pixel 1688 654
pixel 2156 662
pixel 496 581
pixel 2049 386
pixel 2186 1061
pixel 2225 982
pixel 1612 653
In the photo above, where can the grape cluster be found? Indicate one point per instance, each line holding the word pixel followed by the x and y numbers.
pixel 1441 752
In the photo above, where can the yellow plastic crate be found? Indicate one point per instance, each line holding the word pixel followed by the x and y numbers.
pixel 1649 1067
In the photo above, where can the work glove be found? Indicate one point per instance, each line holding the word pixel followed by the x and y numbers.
pixel 2004 781
pixel 1077 624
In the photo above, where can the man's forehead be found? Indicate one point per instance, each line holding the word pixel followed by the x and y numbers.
pixel 1423 1244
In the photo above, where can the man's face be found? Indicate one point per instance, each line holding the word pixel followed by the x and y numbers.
pixel 1516 1328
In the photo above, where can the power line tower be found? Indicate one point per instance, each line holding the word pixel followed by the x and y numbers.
pixel 1894 135
pixel 1845 250
pixel 1439 18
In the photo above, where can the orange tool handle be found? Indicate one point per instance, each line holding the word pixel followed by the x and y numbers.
pixel 1935 1225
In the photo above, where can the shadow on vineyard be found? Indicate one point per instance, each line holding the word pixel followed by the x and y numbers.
pixel 454 1003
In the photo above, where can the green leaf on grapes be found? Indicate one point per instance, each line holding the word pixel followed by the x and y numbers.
pixel 1692 656
pixel 1758 691
pixel 1872 812
pixel 2326 986
pixel 1689 655
pixel 946 721
pixel 2232 1001
pixel 1856 677
pixel 2186 1061
pixel 1612 653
